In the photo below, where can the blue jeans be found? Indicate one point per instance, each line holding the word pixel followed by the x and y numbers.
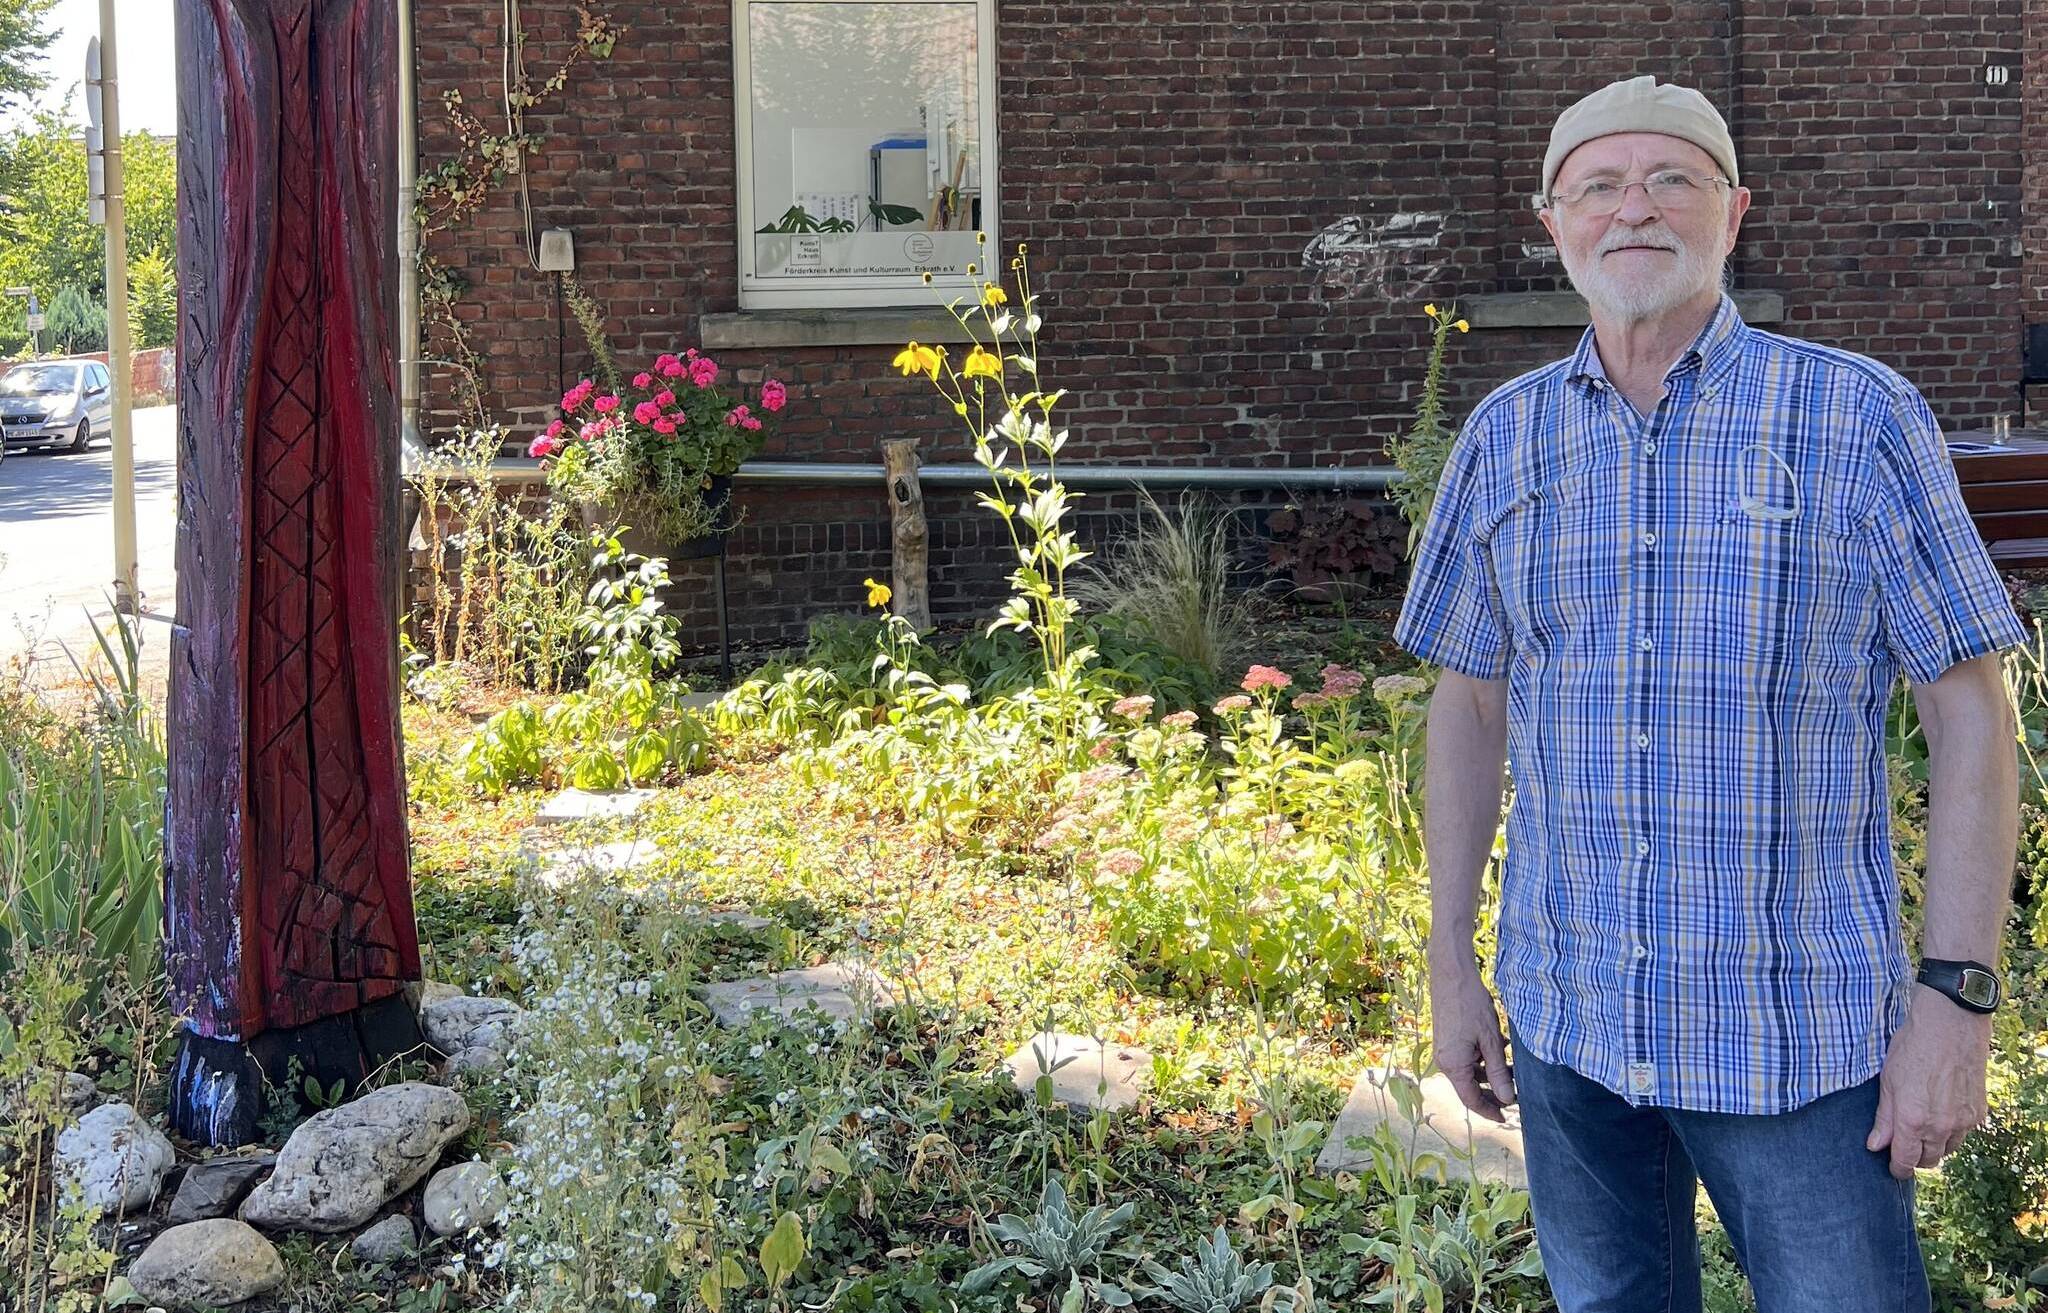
pixel 1818 1222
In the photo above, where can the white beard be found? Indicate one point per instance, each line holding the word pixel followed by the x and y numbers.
pixel 1661 283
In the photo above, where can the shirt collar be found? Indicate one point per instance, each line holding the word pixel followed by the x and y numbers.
pixel 1715 351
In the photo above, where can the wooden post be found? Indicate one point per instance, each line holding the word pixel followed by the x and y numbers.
pixel 288 919
pixel 912 594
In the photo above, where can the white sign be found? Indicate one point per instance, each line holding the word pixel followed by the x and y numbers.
pixel 35 323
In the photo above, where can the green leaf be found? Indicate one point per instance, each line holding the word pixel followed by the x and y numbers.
pixel 827 1155
pixel 783 1249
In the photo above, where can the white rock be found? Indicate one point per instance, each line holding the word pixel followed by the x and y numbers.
pixel 434 991
pixel 559 866
pixel 345 1163
pixel 76 1093
pixel 581 805
pixel 119 1159
pixel 1085 1073
pixel 218 1261
pixel 1468 1145
pixel 463 1196
pixel 463 1023
pixel 841 990
pixel 387 1242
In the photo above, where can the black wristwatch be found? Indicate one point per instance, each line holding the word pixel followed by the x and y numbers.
pixel 1971 985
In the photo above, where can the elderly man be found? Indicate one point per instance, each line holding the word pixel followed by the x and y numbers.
pixel 1673 579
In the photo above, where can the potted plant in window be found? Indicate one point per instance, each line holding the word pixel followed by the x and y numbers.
pixel 657 455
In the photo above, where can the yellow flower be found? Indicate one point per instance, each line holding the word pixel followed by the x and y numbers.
pixel 1430 309
pixel 1464 327
pixel 982 364
pixel 993 296
pixel 915 359
pixel 878 594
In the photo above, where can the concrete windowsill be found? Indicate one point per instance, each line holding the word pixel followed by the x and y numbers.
pixel 1568 309
pixel 747 329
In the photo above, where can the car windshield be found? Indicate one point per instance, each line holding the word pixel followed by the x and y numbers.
pixel 39 380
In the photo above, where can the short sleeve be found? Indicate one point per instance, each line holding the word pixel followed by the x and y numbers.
pixel 1452 615
pixel 1941 600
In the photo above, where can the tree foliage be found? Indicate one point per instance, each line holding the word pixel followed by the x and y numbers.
pixel 25 35
pixel 49 242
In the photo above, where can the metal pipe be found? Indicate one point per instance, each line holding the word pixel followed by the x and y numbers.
pixel 824 473
pixel 408 227
pixel 1089 476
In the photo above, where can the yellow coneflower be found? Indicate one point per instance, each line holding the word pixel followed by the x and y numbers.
pixel 915 359
pixel 993 296
pixel 878 594
pixel 982 364
pixel 1463 327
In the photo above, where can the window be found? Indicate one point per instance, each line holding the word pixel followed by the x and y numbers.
pixel 96 376
pixel 865 149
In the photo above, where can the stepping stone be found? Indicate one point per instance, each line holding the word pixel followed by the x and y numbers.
pixel 842 991
pixel 733 919
pixel 558 866
pixel 1469 1145
pixel 1085 1073
pixel 581 805
pixel 702 699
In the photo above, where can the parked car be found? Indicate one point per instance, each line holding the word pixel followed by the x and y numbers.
pixel 55 403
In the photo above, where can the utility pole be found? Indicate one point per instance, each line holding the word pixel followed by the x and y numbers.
pixel 103 145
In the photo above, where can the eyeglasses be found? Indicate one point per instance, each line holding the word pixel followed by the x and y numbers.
pixel 1672 188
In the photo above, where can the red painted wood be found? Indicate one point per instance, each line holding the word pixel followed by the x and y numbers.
pixel 288 898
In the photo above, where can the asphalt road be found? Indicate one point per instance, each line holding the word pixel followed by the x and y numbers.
pixel 57 546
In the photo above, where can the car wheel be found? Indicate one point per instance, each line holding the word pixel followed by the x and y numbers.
pixel 83 438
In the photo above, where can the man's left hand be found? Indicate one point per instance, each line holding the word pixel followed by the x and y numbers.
pixel 1931 1093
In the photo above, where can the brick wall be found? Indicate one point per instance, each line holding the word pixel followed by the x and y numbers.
pixel 1223 202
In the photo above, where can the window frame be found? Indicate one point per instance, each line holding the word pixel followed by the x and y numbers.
pixel 861 291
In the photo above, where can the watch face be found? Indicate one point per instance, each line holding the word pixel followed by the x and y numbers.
pixel 1978 987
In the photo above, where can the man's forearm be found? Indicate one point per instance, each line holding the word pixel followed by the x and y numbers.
pixel 1466 747
pixel 1972 837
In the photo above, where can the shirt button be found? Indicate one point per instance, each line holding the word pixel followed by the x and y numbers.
pixel 1642 846
pixel 1642 740
pixel 1649 540
pixel 1649 448
pixel 1644 643
pixel 1641 951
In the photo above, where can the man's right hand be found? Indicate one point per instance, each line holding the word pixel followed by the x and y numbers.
pixel 1469 1046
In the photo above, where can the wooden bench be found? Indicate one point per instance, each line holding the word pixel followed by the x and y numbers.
pixel 2007 493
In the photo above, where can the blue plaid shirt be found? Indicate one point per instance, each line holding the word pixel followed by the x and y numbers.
pixel 1701 615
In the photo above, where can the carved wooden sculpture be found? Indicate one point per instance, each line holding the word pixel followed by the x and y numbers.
pixel 288 908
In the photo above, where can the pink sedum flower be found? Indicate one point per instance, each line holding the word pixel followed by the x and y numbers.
pixel 1339 682
pixel 1235 702
pixel 1121 862
pixel 1136 707
pixel 1307 701
pixel 1101 748
pixel 1259 677
pixel 1179 720
pixel 773 396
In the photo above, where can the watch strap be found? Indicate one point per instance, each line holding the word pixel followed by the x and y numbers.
pixel 1969 984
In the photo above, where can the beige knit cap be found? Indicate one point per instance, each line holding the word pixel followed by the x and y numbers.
pixel 1640 105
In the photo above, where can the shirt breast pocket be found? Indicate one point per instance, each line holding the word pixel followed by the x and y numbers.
pixel 1555 557
pixel 1777 582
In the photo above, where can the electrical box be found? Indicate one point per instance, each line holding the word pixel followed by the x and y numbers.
pixel 557 251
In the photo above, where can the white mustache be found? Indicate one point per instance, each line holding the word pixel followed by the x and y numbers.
pixel 1624 246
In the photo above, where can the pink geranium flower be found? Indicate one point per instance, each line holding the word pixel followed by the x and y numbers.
pixel 673 369
pixel 574 398
pixel 543 445
pixel 1259 677
pixel 750 424
pixel 607 404
pixel 703 372
pixel 773 395
pixel 664 398
pixel 556 429
pixel 665 425
pixel 643 379
pixel 591 431
pixel 646 412
pixel 737 416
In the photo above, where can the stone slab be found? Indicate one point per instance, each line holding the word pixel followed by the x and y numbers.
pixel 214 1187
pixel 557 866
pixel 1085 1072
pixel 841 990
pixel 735 920
pixel 582 805
pixel 1470 1145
